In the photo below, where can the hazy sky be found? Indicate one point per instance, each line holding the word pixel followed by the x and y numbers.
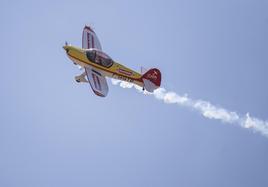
pixel 56 132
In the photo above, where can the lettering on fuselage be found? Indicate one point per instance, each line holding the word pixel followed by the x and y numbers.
pixel 128 73
pixel 122 78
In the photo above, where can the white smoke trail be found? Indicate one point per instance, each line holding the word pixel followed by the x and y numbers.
pixel 204 107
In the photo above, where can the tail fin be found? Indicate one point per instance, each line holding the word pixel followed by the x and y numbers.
pixel 152 79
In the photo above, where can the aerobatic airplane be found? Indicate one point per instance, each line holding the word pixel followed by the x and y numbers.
pixel 99 65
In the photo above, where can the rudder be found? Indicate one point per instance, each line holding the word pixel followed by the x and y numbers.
pixel 152 79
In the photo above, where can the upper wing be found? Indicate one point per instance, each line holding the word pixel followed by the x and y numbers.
pixel 90 39
pixel 97 82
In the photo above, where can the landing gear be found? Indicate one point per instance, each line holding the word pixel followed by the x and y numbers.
pixel 81 78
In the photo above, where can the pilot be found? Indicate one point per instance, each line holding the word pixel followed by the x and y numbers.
pixel 97 59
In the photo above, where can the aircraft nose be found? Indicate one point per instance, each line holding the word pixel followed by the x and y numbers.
pixel 66 47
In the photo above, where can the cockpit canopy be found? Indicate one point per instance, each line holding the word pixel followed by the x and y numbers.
pixel 98 57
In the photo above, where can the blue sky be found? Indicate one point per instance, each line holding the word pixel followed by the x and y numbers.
pixel 55 132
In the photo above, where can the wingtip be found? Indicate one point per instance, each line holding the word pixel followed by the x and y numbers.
pixel 88 28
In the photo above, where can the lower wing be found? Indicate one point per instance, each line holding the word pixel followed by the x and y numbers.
pixel 97 82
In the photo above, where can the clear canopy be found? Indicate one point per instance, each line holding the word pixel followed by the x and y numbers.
pixel 99 57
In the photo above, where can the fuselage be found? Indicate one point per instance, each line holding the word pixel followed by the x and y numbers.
pixel 113 69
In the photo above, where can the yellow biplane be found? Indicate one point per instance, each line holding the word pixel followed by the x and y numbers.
pixel 99 65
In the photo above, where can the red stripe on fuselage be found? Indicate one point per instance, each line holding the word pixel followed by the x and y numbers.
pixel 91 64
